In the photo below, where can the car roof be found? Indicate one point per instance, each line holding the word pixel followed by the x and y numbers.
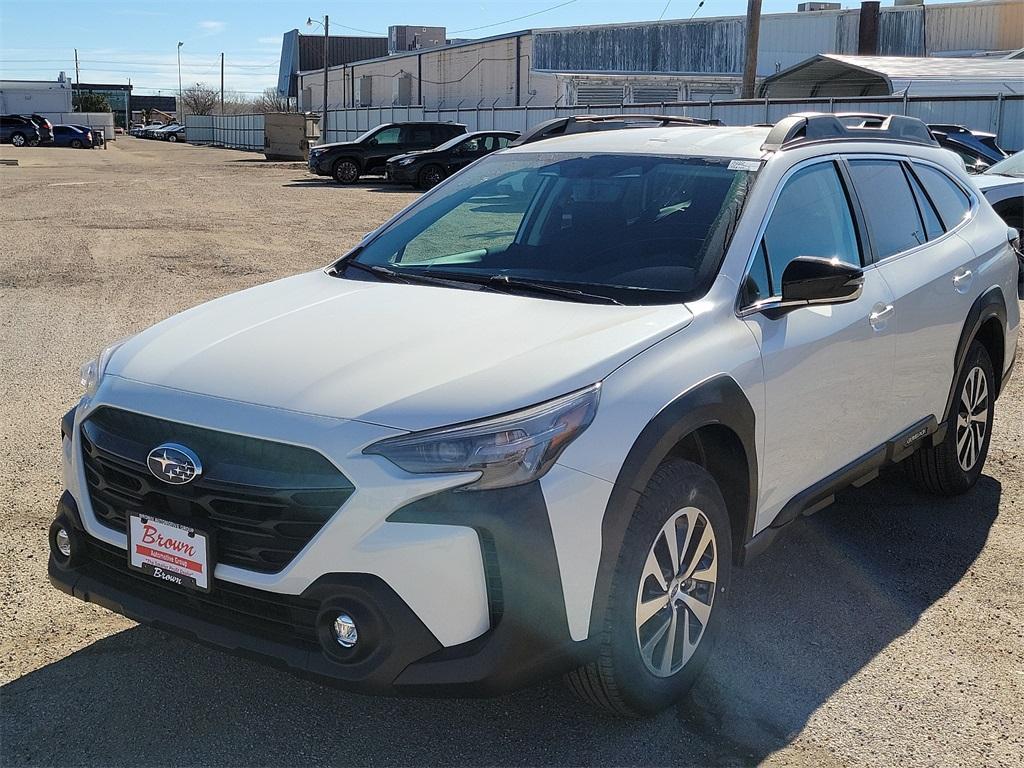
pixel 743 142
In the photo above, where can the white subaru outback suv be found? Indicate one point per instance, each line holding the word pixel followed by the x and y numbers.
pixel 531 424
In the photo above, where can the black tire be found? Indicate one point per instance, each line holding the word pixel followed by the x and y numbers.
pixel 33 142
pixel 953 466
pixel 172 138
pixel 345 171
pixel 621 680
pixel 76 144
pixel 18 139
pixel 430 176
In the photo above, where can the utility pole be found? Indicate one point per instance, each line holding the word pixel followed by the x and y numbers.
pixel 327 45
pixel 753 32
pixel 222 82
pixel 178 112
pixel 78 82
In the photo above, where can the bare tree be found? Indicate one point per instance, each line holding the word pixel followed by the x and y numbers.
pixel 271 101
pixel 200 99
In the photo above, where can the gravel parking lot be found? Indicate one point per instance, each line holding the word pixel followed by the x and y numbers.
pixel 887 629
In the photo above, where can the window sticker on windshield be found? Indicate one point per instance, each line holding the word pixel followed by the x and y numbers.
pixel 744 165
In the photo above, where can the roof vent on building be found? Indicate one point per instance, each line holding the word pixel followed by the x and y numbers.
pixel 818 6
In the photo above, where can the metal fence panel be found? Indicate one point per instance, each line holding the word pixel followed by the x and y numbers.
pixel 1003 115
pixel 233 131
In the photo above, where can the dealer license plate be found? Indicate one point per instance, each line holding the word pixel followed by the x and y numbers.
pixel 173 553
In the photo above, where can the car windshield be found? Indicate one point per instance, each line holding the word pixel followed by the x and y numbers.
pixel 637 229
pixel 1011 166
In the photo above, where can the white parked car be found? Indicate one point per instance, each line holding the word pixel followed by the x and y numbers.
pixel 532 423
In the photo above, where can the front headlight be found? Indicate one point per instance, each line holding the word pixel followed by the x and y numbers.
pixel 407 161
pixel 92 372
pixel 507 450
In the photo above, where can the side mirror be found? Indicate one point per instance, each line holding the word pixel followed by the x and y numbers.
pixel 812 280
pixel 371 143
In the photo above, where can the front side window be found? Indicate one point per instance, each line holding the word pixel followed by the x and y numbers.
pixel 390 135
pixel 892 215
pixel 637 228
pixel 811 218
pixel 951 201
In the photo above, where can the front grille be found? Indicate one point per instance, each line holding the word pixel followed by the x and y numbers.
pixel 262 501
pixel 284 618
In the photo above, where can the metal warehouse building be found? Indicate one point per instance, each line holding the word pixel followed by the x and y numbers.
pixel 655 61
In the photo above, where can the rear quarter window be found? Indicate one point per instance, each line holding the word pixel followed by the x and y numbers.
pixel 950 200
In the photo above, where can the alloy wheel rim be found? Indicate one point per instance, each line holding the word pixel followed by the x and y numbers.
pixel 677 591
pixel 972 419
pixel 347 171
pixel 432 177
pixel 17 141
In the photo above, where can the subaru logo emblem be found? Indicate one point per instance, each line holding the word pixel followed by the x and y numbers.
pixel 174 464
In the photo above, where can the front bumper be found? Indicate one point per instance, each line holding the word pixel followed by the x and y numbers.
pixel 396 653
pixel 402 174
pixel 316 165
pixel 456 593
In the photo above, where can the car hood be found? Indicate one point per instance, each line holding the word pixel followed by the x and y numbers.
pixel 404 356
pixel 992 180
pixel 334 145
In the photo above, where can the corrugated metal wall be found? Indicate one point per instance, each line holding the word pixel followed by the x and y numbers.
pixel 901 32
pixel 1002 116
pixel 233 131
pixel 693 46
pixel 716 45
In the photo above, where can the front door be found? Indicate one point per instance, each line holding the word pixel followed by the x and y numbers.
pixel 828 369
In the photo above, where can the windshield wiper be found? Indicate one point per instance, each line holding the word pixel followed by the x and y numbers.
pixel 509 284
pixel 408 277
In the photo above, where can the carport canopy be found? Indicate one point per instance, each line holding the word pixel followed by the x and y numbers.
pixel 828 74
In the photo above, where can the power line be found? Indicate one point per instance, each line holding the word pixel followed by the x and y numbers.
pixel 517 18
pixel 665 9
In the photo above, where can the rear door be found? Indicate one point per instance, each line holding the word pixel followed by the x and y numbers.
pixel 914 212
pixel 827 368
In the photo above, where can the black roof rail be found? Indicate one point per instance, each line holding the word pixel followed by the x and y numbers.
pixel 561 126
pixel 809 127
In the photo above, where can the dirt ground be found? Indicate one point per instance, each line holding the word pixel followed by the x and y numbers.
pixel 886 630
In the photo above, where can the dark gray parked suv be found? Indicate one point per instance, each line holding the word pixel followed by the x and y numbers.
pixel 346 161
pixel 19 131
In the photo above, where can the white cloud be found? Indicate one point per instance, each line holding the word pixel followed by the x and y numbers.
pixel 212 27
pixel 269 40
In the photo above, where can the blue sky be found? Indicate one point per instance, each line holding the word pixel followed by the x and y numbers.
pixel 118 40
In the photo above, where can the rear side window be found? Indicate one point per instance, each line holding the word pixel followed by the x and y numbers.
pixel 932 225
pixel 951 201
pixel 811 218
pixel 892 215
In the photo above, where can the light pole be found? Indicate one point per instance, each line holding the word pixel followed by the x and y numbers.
pixel 326 24
pixel 179 110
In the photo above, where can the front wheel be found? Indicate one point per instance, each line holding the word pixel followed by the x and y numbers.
pixel 667 598
pixel 346 172
pixel 953 466
pixel 430 177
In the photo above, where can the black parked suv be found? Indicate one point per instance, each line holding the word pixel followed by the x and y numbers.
pixel 19 131
pixel 346 161
pixel 429 167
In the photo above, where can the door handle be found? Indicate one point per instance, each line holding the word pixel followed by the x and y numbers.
pixel 962 277
pixel 878 317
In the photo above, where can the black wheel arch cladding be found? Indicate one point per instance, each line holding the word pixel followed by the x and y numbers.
pixel 718 402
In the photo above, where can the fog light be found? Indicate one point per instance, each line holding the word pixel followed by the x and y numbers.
pixel 345 631
pixel 63 542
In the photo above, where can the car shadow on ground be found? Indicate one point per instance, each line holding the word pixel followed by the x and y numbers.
pixel 805 617
pixel 371 185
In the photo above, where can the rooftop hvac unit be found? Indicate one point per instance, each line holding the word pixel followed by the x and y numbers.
pixel 401 89
pixel 596 95
pixel 654 94
pixel 403 37
pixel 816 6
pixel 364 91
